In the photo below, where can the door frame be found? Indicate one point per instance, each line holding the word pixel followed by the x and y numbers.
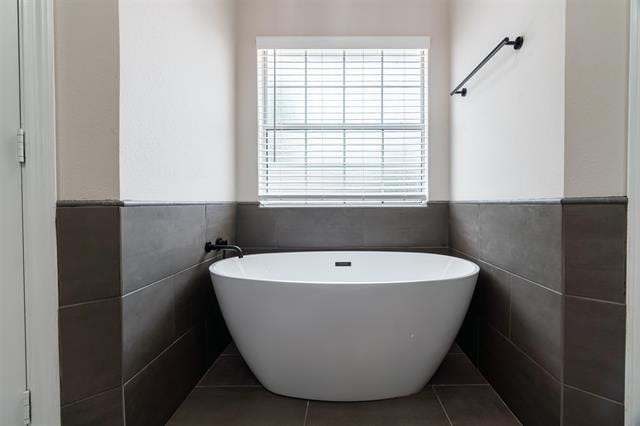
pixel 39 209
pixel 632 381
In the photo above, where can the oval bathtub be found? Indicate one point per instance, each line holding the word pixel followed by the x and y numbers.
pixel 344 325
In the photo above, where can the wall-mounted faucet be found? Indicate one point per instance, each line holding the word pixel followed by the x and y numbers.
pixel 221 244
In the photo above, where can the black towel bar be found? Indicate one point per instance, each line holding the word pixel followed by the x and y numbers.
pixel 517 44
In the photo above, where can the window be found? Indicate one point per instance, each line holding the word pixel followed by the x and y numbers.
pixel 342 120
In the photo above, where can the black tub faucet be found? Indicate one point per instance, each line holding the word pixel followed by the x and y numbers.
pixel 221 244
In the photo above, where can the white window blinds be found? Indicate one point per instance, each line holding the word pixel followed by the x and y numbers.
pixel 342 125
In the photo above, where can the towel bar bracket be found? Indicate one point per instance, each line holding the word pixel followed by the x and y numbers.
pixel 517 43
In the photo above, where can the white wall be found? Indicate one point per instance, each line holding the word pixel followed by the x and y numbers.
pixel 507 135
pixel 177 100
pixel 156 100
pixel 86 69
pixel 596 97
pixel 345 18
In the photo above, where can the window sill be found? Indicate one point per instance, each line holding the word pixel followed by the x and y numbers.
pixel 350 206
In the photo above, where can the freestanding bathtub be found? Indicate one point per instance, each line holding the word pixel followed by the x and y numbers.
pixel 344 325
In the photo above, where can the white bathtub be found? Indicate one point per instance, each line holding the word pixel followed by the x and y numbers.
pixel 376 329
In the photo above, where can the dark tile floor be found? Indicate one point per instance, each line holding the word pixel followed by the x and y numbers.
pixel 230 395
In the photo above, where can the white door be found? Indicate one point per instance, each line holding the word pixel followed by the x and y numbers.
pixel 12 326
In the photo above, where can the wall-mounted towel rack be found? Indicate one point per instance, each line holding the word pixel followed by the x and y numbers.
pixel 517 44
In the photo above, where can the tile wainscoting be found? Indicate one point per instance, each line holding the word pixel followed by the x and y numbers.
pixel 262 229
pixel 139 323
pixel 547 323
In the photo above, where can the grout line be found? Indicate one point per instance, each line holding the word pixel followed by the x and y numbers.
pixel 505 404
pixel 538 284
pixel 77 401
pixel 191 392
pixel 88 302
pixel 158 282
pixel 433 389
pixel 595 395
pixel 591 299
pixel 211 367
pixel 165 350
pixel 306 414
pixel 507 271
pixel 525 354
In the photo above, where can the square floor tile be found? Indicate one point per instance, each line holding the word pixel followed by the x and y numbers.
pixel 239 407
pixel 457 369
pixel 422 409
pixel 474 406
pixel 229 370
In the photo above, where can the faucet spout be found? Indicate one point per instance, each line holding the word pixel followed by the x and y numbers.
pixel 224 245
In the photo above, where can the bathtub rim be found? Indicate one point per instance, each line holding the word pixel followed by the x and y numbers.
pixel 475 269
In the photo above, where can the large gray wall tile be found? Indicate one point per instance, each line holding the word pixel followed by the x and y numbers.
pixel 530 392
pixel 217 336
pixel 221 222
pixel 525 239
pixel 256 226
pixel 595 347
pixel 582 409
pixel 90 349
pixel 148 325
pixel 595 250
pixel 104 409
pixel 494 295
pixel 88 253
pixel 464 228
pixel 326 227
pixel 339 227
pixel 405 226
pixel 158 241
pixel 536 323
pixel 468 337
pixel 193 292
pixel 155 393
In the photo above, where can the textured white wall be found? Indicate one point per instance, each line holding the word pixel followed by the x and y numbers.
pixel 596 78
pixel 86 68
pixel 507 135
pixel 341 18
pixel 177 100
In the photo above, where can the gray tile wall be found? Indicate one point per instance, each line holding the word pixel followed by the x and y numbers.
pixel 323 228
pixel 139 323
pixel 547 323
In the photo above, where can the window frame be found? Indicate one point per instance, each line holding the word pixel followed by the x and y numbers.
pixel 346 43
